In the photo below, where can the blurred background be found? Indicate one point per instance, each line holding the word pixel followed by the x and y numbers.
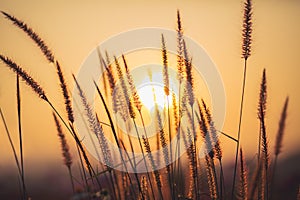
pixel 72 29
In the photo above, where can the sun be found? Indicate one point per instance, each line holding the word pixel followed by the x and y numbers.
pixel 146 92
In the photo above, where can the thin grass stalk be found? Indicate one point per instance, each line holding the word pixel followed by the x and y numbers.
pixel 20 136
pixel 239 129
pixel 246 53
pixel 14 151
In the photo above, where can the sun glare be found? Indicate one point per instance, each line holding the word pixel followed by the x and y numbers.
pixel 146 94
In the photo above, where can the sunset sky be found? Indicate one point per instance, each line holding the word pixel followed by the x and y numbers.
pixel 72 29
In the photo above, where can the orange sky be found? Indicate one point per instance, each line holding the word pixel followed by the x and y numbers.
pixel 72 29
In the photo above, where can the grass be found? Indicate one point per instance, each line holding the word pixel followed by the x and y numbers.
pixel 207 178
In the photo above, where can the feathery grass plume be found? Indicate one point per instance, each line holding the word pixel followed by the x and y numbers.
pixel 204 129
pixel 175 112
pixel 180 60
pixel 95 125
pixel 281 128
pixel 211 178
pixel 243 189
pixel 261 116
pixel 278 143
pixel 165 66
pixel 191 123
pixel 144 186
pixel 20 135
pixel 156 172
pixel 25 76
pixel 106 153
pixel 262 96
pixel 124 89
pixel 163 141
pixel 189 75
pixel 126 186
pixel 64 144
pixel 247 30
pixel 109 71
pixel 66 95
pixel 50 57
pixel 136 98
pixel 102 67
pixel 216 146
pixel 263 133
pixel 65 149
pixel 103 144
pixel 35 37
pixel 193 164
pixel 117 100
pixel 213 132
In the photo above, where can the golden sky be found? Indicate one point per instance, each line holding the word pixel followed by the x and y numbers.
pixel 72 29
